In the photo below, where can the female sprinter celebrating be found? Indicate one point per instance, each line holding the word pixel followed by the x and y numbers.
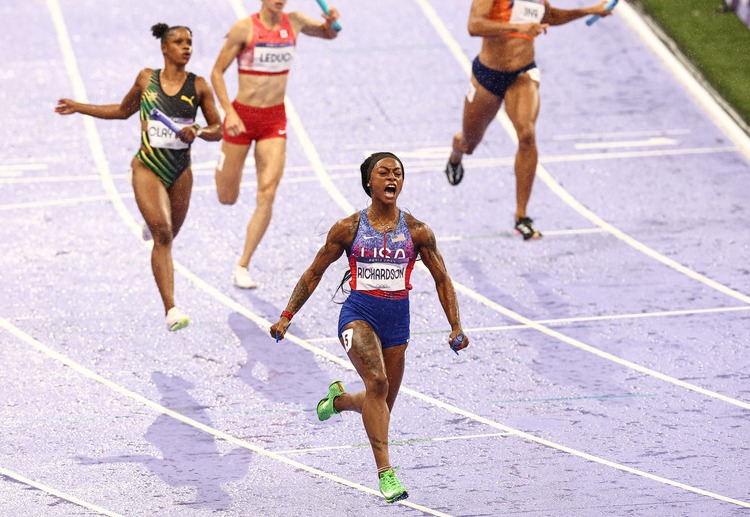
pixel 263 45
pixel 162 178
pixel 505 70
pixel 382 244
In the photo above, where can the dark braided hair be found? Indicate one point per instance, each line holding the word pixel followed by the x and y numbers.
pixel 162 31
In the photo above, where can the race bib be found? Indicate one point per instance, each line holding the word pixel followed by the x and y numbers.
pixel 272 58
pixel 379 275
pixel 527 11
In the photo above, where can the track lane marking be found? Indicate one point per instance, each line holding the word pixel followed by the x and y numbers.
pixel 102 165
pixel 159 409
pixel 342 202
pixel 570 320
pixel 82 370
pixel 394 442
pixel 55 492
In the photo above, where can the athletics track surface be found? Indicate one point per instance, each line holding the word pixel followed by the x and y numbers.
pixel 608 368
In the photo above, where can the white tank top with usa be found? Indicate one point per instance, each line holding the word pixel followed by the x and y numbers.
pixel 381 263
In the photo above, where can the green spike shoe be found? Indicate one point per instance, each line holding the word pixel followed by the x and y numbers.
pixel 391 487
pixel 325 406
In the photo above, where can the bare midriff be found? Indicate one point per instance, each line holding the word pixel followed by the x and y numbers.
pixel 262 91
pixel 506 53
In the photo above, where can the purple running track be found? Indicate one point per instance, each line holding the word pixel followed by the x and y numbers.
pixel 608 363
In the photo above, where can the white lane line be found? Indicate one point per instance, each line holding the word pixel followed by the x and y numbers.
pixel 547 233
pixel 563 194
pixel 48 179
pixel 639 315
pixel 57 493
pixel 129 220
pixel 56 202
pixel 344 204
pixel 158 408
pixel 23 336
pixel 422 165
pixel 92 135
pixel 613 317
pixel 574 452
pixel 557 335
pixel 625 144
pixel 326 182
pixel 348 208
pixel 395 442
pixel 20 167
pixel 593 350
pixel 620 155
pixel 317 164
pixel 621 134
pixel 569 321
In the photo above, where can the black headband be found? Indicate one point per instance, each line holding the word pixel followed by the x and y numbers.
pixel 369 164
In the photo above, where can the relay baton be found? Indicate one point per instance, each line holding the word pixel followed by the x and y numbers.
pixel 161 117
pixel 323 5
pixel 593 19
pixel 457 341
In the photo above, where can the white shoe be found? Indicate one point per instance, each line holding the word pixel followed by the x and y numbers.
pixel 242 278
pixel 145 232
pixel 176 319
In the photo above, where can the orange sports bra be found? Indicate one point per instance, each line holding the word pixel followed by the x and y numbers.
pixel 518 11
pixel 271 51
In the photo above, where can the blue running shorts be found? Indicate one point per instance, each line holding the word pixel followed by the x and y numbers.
pixel 388 318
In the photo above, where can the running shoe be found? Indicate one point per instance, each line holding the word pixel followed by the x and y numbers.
pixel 241 278
pixel 524 227
pixel 325 406
pixel 454 172
pixel 391 487
pixel 176 319
pixel 145 232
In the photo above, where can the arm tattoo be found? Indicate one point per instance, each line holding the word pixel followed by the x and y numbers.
pixel 299 296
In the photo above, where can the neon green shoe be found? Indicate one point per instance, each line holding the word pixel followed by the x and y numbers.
pixel 325 406
pixel 391 487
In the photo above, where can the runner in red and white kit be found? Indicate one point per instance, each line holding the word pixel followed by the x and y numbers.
pixel 264 46
pixel 382 243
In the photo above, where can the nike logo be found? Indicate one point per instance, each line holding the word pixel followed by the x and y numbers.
pixel 368 237
pixel 282 132
pixel 189 100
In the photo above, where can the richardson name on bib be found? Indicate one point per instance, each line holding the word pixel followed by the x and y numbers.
pixel 376 273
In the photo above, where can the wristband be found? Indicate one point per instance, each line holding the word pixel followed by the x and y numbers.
pixel 286 314
pixel 198 129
